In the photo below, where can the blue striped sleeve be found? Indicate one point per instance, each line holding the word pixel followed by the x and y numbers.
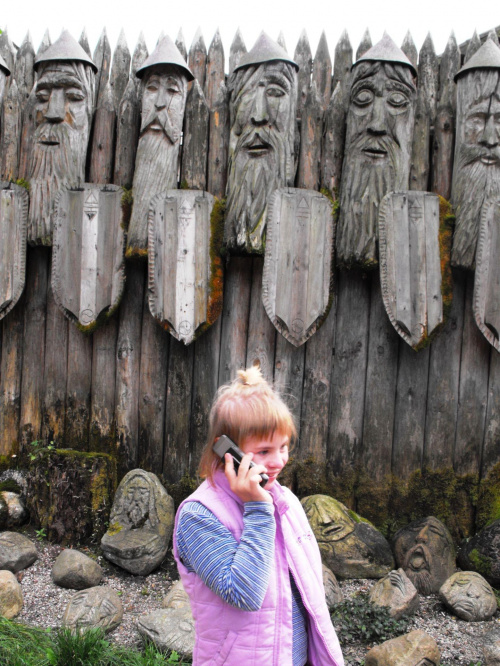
pixel 236 572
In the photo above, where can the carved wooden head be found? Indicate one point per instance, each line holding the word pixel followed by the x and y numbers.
pixel 261 148
pixel 164 101
pixel 377 153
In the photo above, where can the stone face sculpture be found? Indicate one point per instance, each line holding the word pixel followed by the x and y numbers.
pixel 425 550
pixel 14 203
pixel 4 73
pixel 414 649
pixel 349 546
pixel 63 114
pixel 141 523
pixel 476 170
pixel 481 553
pixel 377 148
pixel 397 592
pixel 165 76
pixel 263 90
pixel 95 607
pixel 468 595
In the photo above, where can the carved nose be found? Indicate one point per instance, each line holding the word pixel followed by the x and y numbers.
pixel 489 137
pixel 377 124
pixel 56 110
pixel 259 115
pixel 423 535
pixel 161 99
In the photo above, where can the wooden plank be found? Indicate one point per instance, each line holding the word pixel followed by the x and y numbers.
pixel 195 147
pixel 473 392
pixel 310 140
pixel 76 426
pixel 218 145
pixel 322 71
pixel 14 202
pixel 364 45
pixel 128 357
pixel 103 139
pixel 236 50
pixel 215 70
pixel 23 71
pixel 347 397
pixel 10 133
pixel 197 59
pixel 33 345
pixel 410 50
pixel 10 371
pixel 261 333
pixel 303 58
pixel 127 136
pixel 381 374
pixel 120 69
pixel 102 60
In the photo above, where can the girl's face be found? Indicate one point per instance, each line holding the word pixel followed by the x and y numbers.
pixel 270 451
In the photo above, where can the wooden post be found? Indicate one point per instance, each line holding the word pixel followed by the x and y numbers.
pixel 23 70
pixel 10 371
pixel 195 148
pixel 102 60
pixel 180 42
pixel 237 49
pixel 261 333
pixel 76 428
pixel 473 45
pixel 322 71
pixel 27 131
pixel 310 140
pixel 303 58
pixel 139 57
pixel 215 70
pixel 364 45
pixel 332 153
pixel 218 144
pixel 410 50
pixel 84 42
pixel 45 43
pixel 120 69
pixel 198 59
pixel 7 50
pixel 342 62
pixel 10 134
pixel 491 453
pixel 103 139
pixel 127 135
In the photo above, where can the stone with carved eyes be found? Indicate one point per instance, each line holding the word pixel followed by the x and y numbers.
pixel 468 595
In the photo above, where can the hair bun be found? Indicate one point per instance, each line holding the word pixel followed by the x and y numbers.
pixel 251 376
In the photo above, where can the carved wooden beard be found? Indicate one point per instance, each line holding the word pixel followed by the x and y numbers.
pixel 377 160
pixel 476 174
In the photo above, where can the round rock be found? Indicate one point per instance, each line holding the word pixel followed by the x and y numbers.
pixel 11 595
pixel 75 570
pixel 397 593
pixel 333 593
pixel 469 596
pixel 414 649
pixel 17 552
pixel 491 647
pixel 482 553
pixel 94 607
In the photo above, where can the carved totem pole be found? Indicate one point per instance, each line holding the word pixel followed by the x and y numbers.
pixel 263 98
pixel 377 148
pixel 65 97
pixel 165 76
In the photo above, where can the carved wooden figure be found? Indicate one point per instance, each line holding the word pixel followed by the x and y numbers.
pixel 476 172
pixel 88 263
pixel 13 223
pixel 63 116
pixel 410 264
pixel 486 303
pixel 377 148
pixel 298 264
pixel 185 270
pixel 261 146
pixel 165 76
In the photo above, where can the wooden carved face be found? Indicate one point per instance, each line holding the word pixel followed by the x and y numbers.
pixel 262 109
pixel 163 102
pixel 476 173
pixel 377 154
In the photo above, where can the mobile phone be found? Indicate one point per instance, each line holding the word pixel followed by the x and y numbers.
pixel 225 445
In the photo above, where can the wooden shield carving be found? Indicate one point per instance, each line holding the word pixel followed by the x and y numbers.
pixel 185 273
pixel 486 302
pixel 410 264
pixel 88 272
pixel 13 224
pixel 298 266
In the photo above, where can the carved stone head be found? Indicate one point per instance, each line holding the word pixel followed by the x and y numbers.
pixel 469 596
pixel 134 506
pixel 425 550
pixel 397 592
pixel 476 171
pixel 4 73
pixel 261 147
pixel 165 76
pixel 65 91
pixel 377 149
pixel 95 607
pixel 329 519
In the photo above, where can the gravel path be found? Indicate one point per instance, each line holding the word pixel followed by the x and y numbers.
pixel 44 605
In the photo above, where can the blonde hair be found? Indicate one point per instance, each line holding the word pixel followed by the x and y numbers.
pixel 246 407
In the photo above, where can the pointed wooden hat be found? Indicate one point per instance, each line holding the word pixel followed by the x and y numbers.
pixel 265 50
pixel 3 67
pixel 66 48
pixel 166 53
pixel 486 57
pixel 387 51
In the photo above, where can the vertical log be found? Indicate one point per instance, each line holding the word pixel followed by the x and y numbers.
pixel 10 371
pixel 198 59
pixel 139 57
pixel 473 391
pixel 261 332
pixel 33 344
pixel 364 45
pixel 303 58
pixel 410 50
pixel 491 452
pixel 425 113
pixel 218 145
pixel 45 43
pixel 494 37
pixel 23 70
pixel 27 131
pixel 7 50
pixel 473 45
pixel 332 153
pixel 84 42
pixel 103 138
pixel 76 428
pixel 215 70
pixel 180 42
pixel 195 148
pixel 342 62
pixel 120 69
pixel 322 71
pixel 127 136
pixel 10 134
pixel 102 60
pixel 128 358
pixel 310 140
pixel 237 50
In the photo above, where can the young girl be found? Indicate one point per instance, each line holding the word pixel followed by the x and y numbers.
pixel 246 554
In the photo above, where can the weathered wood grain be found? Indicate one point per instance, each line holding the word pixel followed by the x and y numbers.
pixel 102 60
pixel 180 42
pixel 7 50
pixel 14 203
pixel 10 133
pixel 195 147
pixel 103 139
pixel 23 70
pixel 310 140
pixel 218 144
pixel 322 71
pixel 332 153
pixel 281 40
pixel 139 57
pixel 76 425
pixel 486 305
pixel 491 454
pixel 197 59
pixel 303 58
pixel 127 136
pixel 10 372
pixel 473 45
pixel 236 50
pixel 45 43
pixel 342 62
pixel 410 50
pixel 120 69
pixel 364 45
pixel 28 128
pixel 84 42
pixel 215 70
pixel 261 338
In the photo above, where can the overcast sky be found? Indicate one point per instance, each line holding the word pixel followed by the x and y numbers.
pixel 420 17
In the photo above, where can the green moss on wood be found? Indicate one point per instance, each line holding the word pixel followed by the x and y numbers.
pixel 488 506
pixel 480 563
pixel 182 489
pixel 23 183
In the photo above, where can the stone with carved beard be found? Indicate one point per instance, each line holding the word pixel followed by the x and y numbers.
pixel 377 148
pixel 63 116
pixel 140 524
pixel 261 145
pixel 476 170
pixel 165 77
pixel 469 596
pixel 93 608
pixel 425 551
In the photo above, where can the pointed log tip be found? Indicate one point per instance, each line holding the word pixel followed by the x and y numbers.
pixel 428 44
pixel 238 41
pixel 198 41
pixel 303 35
pixel 322 49
pixel 122 40
pixel 216 42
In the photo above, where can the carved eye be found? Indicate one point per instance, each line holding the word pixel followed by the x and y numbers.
pixel 398 99
pixel 75 95
pixel 275 91
pixel 152 87
pixel 173 90
pixel 363 97
pixel 43 95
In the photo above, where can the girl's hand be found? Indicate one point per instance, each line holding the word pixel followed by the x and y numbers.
pixel 246 484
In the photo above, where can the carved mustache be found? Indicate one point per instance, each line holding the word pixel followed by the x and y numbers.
pixel 470 154
pixel 162 119
pixel 53 134
pixel 264 137
pixel 379 144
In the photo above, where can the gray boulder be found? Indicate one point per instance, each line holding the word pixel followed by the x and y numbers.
pixel 169 629
pixel 17 552
pixel 333 593
pixel 11 595
pixel 469 596
pixel 396 592
pixel 491 647
pixel 482 553
pixel 94 607
pixel 414 649
pixel 75 570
